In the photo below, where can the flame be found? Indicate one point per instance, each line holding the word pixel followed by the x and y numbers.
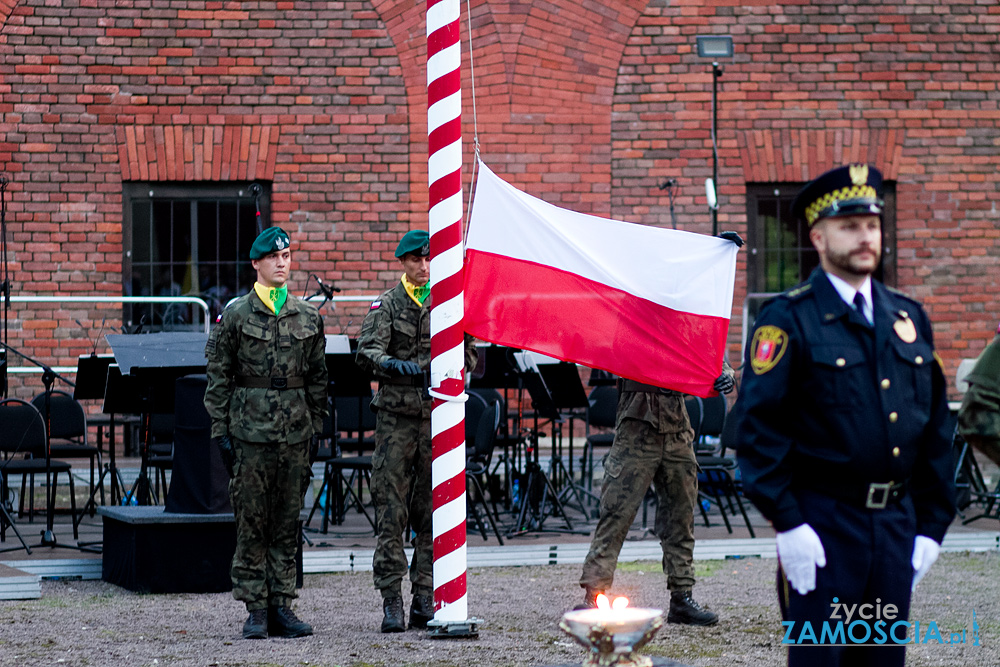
pixel 604 603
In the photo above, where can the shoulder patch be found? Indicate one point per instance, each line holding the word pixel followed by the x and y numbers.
pixel 768 346
pixel 376 304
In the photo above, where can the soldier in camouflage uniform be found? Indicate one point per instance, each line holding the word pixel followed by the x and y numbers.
pixel 979 416
pixel 266 396
pixel 653 444
pixel 395 345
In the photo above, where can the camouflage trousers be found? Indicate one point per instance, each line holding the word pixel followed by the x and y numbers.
pixel 268 484
pixel 638 457
pixel 401 491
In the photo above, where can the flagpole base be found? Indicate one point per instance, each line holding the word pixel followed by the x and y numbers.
pixel 453 629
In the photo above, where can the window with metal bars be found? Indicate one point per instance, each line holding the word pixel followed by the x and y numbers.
pixel 187 239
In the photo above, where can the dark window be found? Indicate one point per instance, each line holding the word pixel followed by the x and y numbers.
pixel 780 254
pixel 183 239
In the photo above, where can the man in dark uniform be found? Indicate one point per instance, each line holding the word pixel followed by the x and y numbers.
pixel 395 344
pixel 653 444
pixel 842 434
pixel 266 396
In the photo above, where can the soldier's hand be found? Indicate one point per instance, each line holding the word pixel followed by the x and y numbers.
pixel 313 449
pixel 226 451
pixel 800 552
pixel 399 367
pixel 725 383
pixel 732 236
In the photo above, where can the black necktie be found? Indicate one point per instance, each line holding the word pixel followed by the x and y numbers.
pixel 859 305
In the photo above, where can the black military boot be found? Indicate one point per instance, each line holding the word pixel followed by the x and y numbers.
pixel 683 609
pixel 589 599
pixel 393 620
pixel 282 622
pixel 421 610
pixel 256 625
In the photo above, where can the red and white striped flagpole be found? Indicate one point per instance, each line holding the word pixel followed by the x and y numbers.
pixel 444 176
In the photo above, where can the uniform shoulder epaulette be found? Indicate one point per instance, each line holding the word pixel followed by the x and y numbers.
pixel 798 292
pixel 902 295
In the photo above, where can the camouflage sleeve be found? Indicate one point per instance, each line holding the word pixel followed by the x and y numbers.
pixel 376 331
pixel 979 416
pixel 471 353
pixel 220 351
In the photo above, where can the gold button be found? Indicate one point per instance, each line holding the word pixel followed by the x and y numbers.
pixel 893 417
pixel 895 451
pixel 841 362
pixel 886 383
pixel 919 360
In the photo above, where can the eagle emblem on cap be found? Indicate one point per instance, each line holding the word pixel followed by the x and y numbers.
pixel 279 243
pixel 859 173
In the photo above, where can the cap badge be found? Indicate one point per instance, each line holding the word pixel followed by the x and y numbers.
pixel 279 243
pixel 859 173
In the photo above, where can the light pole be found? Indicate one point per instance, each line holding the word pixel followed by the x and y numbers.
pixel 715 47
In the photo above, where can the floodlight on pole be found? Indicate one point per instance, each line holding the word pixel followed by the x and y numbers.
pixel 715 47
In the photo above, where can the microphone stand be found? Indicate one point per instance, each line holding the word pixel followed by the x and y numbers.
pixel 5 284
pixel 49 377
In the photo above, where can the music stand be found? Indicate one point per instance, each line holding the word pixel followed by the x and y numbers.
pixel 569 397
pixel 91 384
pixel 347 381
pixel 155 362
pixel 538 487
pixel 495 370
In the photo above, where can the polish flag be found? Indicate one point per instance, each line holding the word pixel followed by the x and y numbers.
pixel 648 304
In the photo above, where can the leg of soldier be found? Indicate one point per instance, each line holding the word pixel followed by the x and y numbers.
pixel 291 474
pixel 676 486
pixel 247 490
pixel 628 472
pixel 422 510
pixel 391 462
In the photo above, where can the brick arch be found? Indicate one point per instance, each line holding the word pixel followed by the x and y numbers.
pixel 6 8
pixel 774 156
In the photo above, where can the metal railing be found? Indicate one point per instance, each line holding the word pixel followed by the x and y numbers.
pixel 191 300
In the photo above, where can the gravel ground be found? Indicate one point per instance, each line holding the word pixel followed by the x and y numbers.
pixel 97 624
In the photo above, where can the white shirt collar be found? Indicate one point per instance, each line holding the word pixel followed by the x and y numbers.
pixel 847 293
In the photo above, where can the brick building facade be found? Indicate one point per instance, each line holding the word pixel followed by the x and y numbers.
pixel 109 111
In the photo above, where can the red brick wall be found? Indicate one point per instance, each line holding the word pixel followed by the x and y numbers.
pixel 587 105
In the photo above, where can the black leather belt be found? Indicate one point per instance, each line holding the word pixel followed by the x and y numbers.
pixel 406 381
pixel 295 382
pixel 874 495
pixel 642 387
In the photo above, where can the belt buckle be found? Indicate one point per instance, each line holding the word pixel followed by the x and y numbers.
pixel 279 383
pixel 871 502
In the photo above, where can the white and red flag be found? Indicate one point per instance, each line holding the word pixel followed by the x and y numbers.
pixel 644 303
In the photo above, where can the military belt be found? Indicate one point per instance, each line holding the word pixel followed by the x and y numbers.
pixel 642 387
pixel 407 380
pixel 279 383
pixel 874 495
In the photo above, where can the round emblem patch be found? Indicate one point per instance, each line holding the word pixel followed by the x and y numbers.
pixel 768 346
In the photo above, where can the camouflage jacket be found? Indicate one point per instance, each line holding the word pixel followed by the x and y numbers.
pixel 979 416
pixel 250 341
pixel 663 409
pixel 397 327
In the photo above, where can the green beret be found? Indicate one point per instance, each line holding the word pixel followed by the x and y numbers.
pixel 415 241
pixel 270 240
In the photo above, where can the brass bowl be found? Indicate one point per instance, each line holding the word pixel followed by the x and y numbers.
pixel 606 632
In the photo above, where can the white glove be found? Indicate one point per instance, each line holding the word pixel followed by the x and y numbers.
pixel 801 552
pixel 925 552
